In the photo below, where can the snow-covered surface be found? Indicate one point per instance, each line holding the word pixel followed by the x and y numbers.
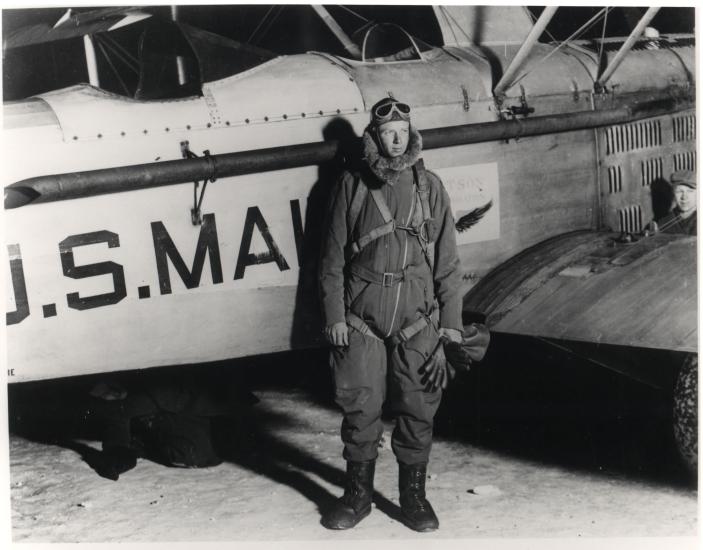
pixel 274 489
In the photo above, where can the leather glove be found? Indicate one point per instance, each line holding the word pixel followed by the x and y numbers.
pixel 437 372
pixel 337 334
pixel 472 347
pixel 450 334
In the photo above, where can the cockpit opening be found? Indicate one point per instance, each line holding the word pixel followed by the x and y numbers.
pixel 386 42
pixel 175 59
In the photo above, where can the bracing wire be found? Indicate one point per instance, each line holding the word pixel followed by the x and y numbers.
pixel 602 38
pixel 534 20
pixel 575 35
pixel 449 17
pixel 117 54
pixel 354 13
pixel 112 66
pixel 124 51
pixel 270 23
pixel 260 23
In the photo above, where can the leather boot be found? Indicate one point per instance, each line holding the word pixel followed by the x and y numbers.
pixel 355 504
pixel 416 510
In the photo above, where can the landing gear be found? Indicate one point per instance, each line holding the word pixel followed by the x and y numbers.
pixel 686 412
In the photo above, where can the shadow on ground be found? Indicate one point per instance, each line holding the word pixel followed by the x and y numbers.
pixel 61 413
pixel 526 404
pixel 552 408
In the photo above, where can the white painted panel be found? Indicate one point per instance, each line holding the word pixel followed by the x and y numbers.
pixel 249 315
pixel 473 190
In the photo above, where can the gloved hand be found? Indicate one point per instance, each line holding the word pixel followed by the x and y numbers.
pixel 450 334
pixel 437 372
pixel 471 348
pixel 337 334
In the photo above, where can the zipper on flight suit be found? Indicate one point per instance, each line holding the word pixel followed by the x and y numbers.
pixel 405 258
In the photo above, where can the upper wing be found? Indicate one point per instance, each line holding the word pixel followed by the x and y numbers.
pixel 73 26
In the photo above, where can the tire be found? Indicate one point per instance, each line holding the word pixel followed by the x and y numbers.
pixel 686 412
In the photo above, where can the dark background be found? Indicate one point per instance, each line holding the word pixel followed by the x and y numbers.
pixel 286 29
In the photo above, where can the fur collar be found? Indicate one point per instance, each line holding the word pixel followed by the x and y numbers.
pixel 388 169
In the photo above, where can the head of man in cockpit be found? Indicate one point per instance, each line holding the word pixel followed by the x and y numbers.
pixel 683 183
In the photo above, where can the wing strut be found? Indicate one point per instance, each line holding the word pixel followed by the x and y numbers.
pixel 508 76
pixel 180 62
pixel 626 47
pixel 91 60
pixel 352 48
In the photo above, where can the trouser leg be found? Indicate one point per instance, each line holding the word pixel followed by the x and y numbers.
pixel 412 405
pixel 360 387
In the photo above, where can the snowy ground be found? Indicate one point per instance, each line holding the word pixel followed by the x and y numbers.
pixel 288 467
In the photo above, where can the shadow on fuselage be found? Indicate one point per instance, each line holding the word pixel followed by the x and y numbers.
pixel 662 198
pixel 307 321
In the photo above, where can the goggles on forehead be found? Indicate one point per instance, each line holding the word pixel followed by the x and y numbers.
pixel 384 113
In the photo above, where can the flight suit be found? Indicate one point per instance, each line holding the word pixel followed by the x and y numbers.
pixel 371 369
pixel 674 223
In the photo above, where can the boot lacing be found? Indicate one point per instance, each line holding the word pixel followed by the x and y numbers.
pixel 416 491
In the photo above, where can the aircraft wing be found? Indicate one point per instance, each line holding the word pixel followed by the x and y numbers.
pixel 586 287
pixel 74 26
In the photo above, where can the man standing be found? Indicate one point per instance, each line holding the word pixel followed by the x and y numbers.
pixel 682 218
pixel 390 283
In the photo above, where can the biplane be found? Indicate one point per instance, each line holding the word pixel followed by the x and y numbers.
pixel 181 225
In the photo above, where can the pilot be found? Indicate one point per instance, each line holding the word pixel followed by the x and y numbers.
pixel 683 217
pixel 389 282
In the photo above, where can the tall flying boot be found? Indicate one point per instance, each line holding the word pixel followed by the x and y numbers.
pixel 416 510
pixel 355 504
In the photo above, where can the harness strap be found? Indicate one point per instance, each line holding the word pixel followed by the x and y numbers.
pixel 388 278
pixel 359 325
pixel 360 192
pixel 399 337
pixel 389 223
pixel 379 199
pixel 372 235
pixel 404 334
pixel 423 188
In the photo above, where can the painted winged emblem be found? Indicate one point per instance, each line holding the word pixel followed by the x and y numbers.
pixel 473 217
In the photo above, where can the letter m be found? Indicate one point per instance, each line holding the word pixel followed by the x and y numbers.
pixel 165 249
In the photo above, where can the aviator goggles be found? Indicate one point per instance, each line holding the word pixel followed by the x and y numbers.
pixel 384 113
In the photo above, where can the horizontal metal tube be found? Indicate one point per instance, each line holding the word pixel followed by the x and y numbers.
pixel 142 176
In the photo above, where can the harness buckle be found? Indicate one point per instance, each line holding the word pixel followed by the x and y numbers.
pixel 388 279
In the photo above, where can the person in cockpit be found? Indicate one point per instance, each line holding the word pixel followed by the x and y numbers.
pixel 683 216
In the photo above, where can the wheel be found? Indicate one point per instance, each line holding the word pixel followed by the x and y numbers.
pixel 686 412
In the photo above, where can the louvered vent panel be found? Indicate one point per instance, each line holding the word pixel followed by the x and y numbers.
pixel 652 169
pixel 614 179
pixel 630 219
pixel 685 161
pixel 630 137
pixel 684 128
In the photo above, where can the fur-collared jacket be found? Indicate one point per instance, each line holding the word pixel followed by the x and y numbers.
pixel 388 309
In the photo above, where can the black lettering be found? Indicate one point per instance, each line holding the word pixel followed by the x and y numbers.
pixel 10 372
pixel 297 228
pixel 254 218
pixel 164 248
pixel 19 287
pixel 49 310
pixel 70 269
